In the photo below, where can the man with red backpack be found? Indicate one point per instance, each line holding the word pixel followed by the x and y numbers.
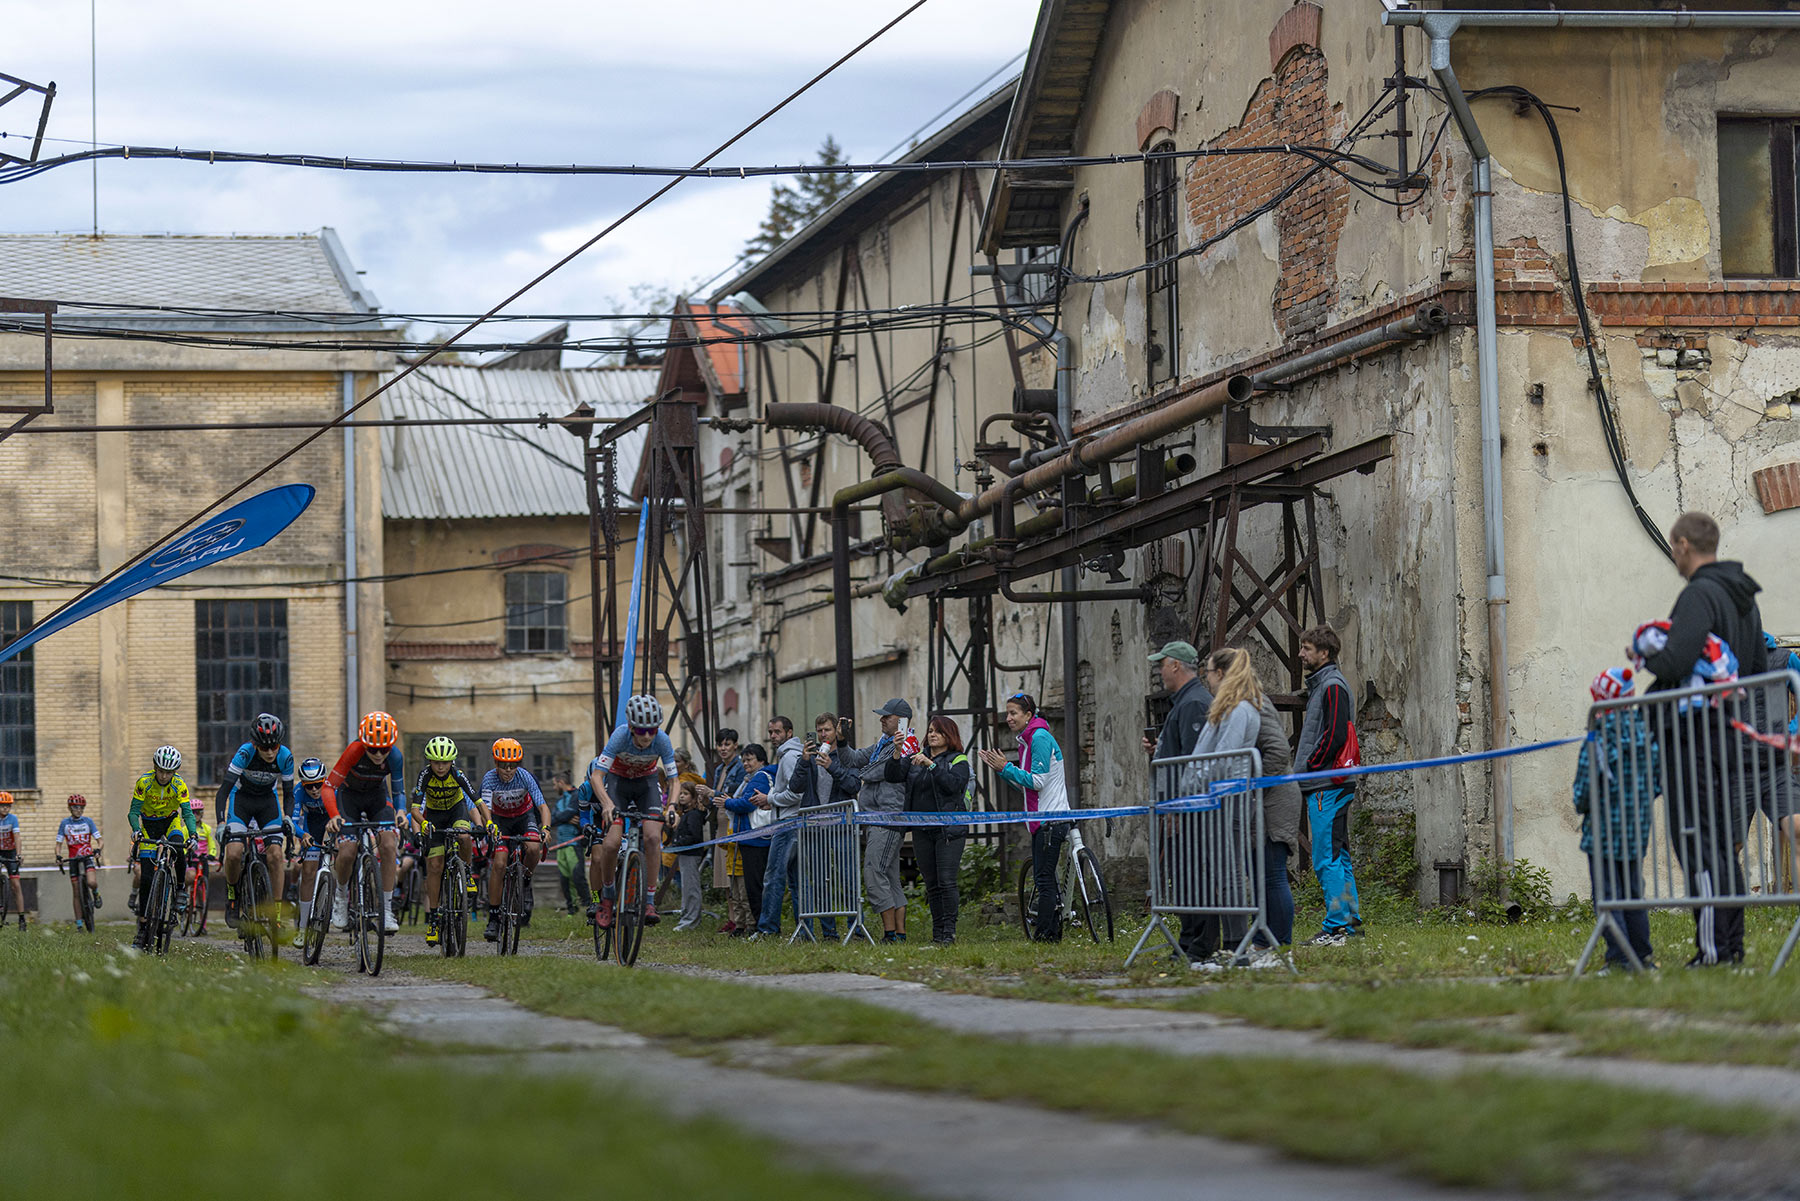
pixel 1328 740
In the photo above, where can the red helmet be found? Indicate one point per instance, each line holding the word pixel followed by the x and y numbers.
pixel 378 730
pixel 508 750
pixel 76 799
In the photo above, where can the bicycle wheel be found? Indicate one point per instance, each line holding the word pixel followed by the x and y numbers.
pixel 1091 901
pixel 318 922
pixel 159 920
pixel 453 920
pixel 1028 900
pixel 414 908
pixel 629 912
pixel 197 903
pixel 509 908
pixel 5 896
pixel 262 898
pixel 87 904
pixel 372 933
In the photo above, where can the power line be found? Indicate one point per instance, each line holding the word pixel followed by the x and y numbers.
pixel 532 283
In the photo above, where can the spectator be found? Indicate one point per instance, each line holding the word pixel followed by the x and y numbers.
pixel 1039 772
pixel 1708 804
pixel 881 850
pixel 1630 765
pixel 780 802
pixel 1189 699
pixel 565 818
pixel 939 779
pixel 821 780
pixel 1779 795
pixel 727 778
pixel 1327 740
pixel 689 831
pixel 1233 723
pixel 1282 807
pixel 753 853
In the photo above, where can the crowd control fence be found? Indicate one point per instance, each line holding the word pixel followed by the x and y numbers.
pixel 829 865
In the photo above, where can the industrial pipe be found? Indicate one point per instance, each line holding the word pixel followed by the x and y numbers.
pixel 1125 486
pixel 835 419
pixel 1443 24
pixel 1428 319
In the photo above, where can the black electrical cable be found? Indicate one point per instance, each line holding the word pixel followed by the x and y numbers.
pixel 1615 443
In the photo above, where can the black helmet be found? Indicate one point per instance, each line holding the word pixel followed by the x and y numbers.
pixel 266 731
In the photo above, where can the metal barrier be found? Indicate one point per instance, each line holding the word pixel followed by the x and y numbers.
pixel 1706 851
pixel 829 870
pixel 1206 851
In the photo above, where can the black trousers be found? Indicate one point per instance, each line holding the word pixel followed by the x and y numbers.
pixel 756 864
pixel 1708 812
pixel 939 856
pixel 1046 851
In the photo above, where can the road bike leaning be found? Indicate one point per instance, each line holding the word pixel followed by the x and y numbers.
pixel 1081 886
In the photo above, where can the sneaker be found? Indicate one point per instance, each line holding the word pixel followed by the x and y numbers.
pixel 1700 960
pixel 1205 965
pixel 431 929
pixel 728 928
pixel 181 900
pixel 131 899
pixel 888 936
pixel 340 911
pixel 492 933
pixel 99 901
pixel 603 915
pixel 650 918
pixel 1327 938
pixel 1264 958
pixel 299 940
pixel 389 923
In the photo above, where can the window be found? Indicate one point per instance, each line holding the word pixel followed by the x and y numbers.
pixel 1037 289
pixel 536 618
pixel 1161 227
pixel 18 702
pixel 1758 227
pixel 240 670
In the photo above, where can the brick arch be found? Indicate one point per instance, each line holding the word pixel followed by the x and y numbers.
pixel 1290 106
pixel 1298 28
pixel 1159 112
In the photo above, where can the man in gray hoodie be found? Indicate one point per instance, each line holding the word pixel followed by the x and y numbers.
pixel 783 799
pixel 881 852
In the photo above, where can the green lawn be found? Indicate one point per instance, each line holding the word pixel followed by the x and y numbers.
pixel 199 1075
pixel 1478 1129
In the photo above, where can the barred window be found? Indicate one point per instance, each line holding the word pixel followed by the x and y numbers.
pixel 1038 289
pixel 536 614
pixel 240 670
pixel 18 702
pixel 1161 238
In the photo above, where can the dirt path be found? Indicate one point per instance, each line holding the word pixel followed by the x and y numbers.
pixel 926 1144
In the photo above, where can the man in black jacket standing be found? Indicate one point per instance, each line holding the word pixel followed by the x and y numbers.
pixel 1709 807
pixel 1179 663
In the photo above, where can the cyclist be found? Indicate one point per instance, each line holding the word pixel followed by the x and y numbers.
pixel 206 850
pixel 9 855
pixel 309 819
pixel 159 808
pixel 517 810
pixel 446 801
pixel 247 798
pixel 77 842
pixel 620 777
pixel 367 784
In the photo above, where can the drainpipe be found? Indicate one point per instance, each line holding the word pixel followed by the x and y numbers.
pixel 352 696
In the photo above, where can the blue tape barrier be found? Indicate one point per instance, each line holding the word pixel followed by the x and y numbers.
pixel 1211 799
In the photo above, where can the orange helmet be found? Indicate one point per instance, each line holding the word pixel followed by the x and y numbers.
pixel 378 730
pixel 6 798
pixel 508 750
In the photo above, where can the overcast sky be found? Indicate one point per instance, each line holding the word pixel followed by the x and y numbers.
pixel 527 81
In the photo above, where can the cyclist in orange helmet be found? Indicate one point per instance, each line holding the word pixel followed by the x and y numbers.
pixel 516 803
pixel 9 856
pixel 368 784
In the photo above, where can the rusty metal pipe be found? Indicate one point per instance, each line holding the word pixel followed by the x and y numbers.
pixel 1125 486
pixel 835 419
pixel 1428 319
pixel 1088 453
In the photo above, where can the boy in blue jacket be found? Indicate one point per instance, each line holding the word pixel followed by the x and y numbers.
pixel 1624 761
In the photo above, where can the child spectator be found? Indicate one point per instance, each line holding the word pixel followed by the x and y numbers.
pixel 1627 767
pixel 689 831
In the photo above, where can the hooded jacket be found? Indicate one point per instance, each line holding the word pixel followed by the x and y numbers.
pixel 1719 599
pixel 878 794
pixel 784 796
pixel 1329 725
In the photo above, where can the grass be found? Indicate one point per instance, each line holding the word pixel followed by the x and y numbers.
pixel 1480 1129
pixel 134 1077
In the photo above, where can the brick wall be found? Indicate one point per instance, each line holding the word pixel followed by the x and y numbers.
pixel 50 526
pixel 1289 107
pixel 67 676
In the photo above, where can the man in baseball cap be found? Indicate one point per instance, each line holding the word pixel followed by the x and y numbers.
pixel 899 708
pixel 1181 652
pixel 1188 701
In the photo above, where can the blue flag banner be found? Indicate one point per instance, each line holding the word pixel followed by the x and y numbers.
pixel 242 527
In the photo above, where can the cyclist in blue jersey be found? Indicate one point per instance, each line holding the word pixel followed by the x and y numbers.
pixel 248 797
pixel 621 777
pixel 516 809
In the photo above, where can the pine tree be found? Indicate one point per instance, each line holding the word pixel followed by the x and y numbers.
pixel 791 206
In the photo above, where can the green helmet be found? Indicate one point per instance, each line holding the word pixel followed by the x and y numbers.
pixel 440 750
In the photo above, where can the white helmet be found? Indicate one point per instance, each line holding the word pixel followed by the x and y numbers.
pixel 167 758
pixel 643 711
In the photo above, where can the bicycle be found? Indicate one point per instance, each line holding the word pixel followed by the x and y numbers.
pixel 453 904
pixel 254 888
pixel 193 920
pixel 87 896
pixel 367 930
pixel 318 921
pixel 629 897
pixel 1080 884
pixel 511 910
pixel 158 917
pixel 411 906
pixel 5 892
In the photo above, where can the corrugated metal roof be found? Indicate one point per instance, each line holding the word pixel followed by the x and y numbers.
pixel 463 471
pixel 293 273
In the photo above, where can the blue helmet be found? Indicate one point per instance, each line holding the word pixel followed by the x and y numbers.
pixel 312 771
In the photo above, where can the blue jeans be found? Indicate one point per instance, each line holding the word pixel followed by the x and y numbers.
pixel 778 878
pixel 1622 880
pixel 1276 894
pixel 1328 817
